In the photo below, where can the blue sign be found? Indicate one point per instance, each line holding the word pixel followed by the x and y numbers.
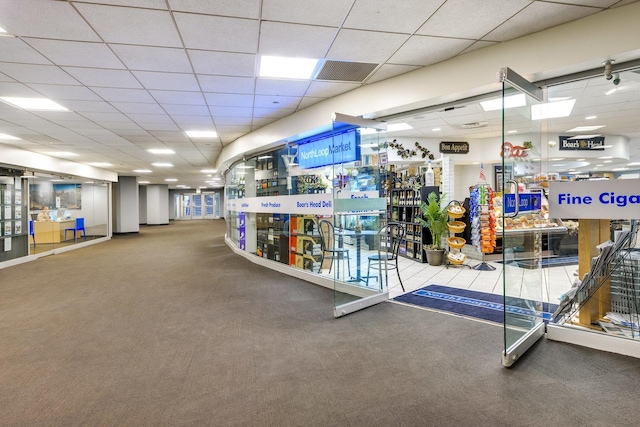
pixel 329 150
pixel 528 202
pixel 242 230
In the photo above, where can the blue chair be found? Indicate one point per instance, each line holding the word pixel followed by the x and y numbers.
pixel 31 233
pixel 78 227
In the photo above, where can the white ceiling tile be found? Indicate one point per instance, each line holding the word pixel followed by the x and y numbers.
pixel 365 46
pixel 331 13
pixel 13 49
pixel 25 18
pixel 78 54
pixel 30 73
pixel 186 110
pixel 308 101
pixel 470 19
pixel 223 63
pixel 425 50
pixel 390 70
pixel 281 87
pixel 218 33
pixel 225 84
pixel 119 126
pixel 146 58
pixel 233 121
pixel 240 8
pixel 178 97
pixel 273 113
pixel 124 95
pixel 478 45
pixel 99 117
pixel 295 40
pixel 186 122
pixel 148 4
pixel 167 81
pixel 230 112
pixel 137 108
pixel 128 25
pixel 149 118
pixel 537 17
pixel 271 101
pixel 5 78
pixel 329 89
pixel 227 130
pixel 89 106
pixel 104 78
pixel 158 126
pixel 229 99
pixel 388 15
pixel 64 92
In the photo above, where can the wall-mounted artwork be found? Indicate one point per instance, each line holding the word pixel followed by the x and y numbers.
pixel 70 195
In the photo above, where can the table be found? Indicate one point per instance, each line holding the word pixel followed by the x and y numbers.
pixel 51 231
pixel 358 236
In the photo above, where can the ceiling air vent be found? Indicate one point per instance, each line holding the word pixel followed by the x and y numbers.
pixel 470 125
pixel 345 71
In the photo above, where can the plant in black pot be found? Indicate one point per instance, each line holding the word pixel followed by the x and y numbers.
pixel 434 217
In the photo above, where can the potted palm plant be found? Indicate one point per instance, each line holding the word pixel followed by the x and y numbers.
pixel 434 217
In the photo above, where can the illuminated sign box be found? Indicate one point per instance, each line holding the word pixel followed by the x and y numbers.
pixel 329 150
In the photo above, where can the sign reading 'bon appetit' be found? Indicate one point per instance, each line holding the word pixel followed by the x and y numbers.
pixel 454 147
pixel 574 143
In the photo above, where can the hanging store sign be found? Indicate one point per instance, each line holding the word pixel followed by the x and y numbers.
pixel 300 204
pixel 329 150
pixel 608 199
pixel 529 202
pixel 574 143
pixel 454 147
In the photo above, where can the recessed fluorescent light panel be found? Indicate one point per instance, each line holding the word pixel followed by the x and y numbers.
pixel 40 104
pixel 201 133
pixel 287 68
pixel 171 180
pixel 100 165
pixel 8 137
pixel 142 170
pixel 398 127
pixel 62 154
pixel 585 128
pixel 162 165
pixel 161 151
pixel 143 182
pixel 586 137
pixel 552 110
pixel 2 30
pixel 208 170
pixel 512 101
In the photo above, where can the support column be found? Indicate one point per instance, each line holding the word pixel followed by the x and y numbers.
pixel 157 204
pixel 125 201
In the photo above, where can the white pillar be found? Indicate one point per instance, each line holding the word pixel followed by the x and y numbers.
pixel 126 205
pixel 157 204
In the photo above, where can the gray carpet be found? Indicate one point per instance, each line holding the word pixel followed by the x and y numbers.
pixel 169 328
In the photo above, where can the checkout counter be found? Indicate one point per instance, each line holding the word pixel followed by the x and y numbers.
pixel 51 231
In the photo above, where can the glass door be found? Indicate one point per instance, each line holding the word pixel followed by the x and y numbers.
pixel 190 206
pixel 520 209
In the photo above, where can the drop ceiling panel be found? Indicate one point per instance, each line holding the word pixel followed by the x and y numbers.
pixel 232 121
pixel 130 25
pixel 470 19
pixel 145 58
pixel 295 40
pixel 79 54
pixel 331 14
pixel 240 8
pixel 152 125
pixel 186 110
pixel 270 101
pixel 390 70
pixel 124 95
pixel 13 49
pixel 326 89
pixel 104 78
pixel 45 74
pixel 229 99
pixel 218 33
pixel 62 21
pixel 230 112
pixel 167 81
pixel 187 122
pixel 365 46
pixel 395 17
pixel 149 118
pixel 64 92
pixel 273 113
pixel 178 97
pixel 89 106
pixel 266 86
pixel 115 117
pixel 223 63
pixel 425 50
pixel 537 17
pixel 149 4
pixel 138 108
pixel 225 84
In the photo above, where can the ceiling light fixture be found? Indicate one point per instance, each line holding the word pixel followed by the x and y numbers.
pixel 162 165
pixel 512 101
pixel 209 170
pixel 201 133
pixel 100 165
pixel 551 110
pixel 171 179
pixel 143 182
pixel 591 117
pixel 585 128
pixel 62 154
pixel 37 104
pixel 586 137
pixel 8 137
pixel 436 129
pixel 161 151
pixel 287 68
pixel 398 127
pixel 142 170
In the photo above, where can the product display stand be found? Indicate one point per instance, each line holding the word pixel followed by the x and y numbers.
pixel 483 230
pixel 454 256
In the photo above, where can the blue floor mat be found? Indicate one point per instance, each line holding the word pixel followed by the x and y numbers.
pixel 479 305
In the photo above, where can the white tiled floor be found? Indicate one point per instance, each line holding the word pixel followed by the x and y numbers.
pixel 545 284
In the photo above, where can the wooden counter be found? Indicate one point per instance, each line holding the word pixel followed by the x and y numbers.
pixel 51 231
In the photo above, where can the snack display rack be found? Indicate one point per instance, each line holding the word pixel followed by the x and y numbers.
pixel 454 256
pixel 483 223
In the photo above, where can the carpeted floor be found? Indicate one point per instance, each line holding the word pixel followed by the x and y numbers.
pixel 169 328
pixel 479 305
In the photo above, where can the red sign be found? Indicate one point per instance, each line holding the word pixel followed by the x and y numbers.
pixel 513 151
